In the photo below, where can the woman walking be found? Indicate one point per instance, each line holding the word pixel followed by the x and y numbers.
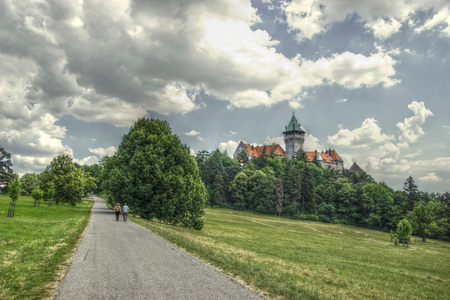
pixel 117 211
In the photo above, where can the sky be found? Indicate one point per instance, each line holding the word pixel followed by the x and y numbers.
pixel 369 79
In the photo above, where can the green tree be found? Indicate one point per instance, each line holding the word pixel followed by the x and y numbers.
pixel 412 192
pixel 94 171
pixel 376 203
pixel 68 180
pixel 404 231
pixel 300 155
pixel 346 202
pixel 37 195
pixel 50 194
pixel 14 189
pixel 426 218
pixel 292 185
pixel 6 171
pixel 264 188
pixel 239 191
pixel 156 175
pixel 29 183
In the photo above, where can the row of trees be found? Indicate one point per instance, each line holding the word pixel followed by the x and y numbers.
pixel 62 181
pixel 302 190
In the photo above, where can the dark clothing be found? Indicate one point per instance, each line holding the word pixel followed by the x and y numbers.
pixel 117 212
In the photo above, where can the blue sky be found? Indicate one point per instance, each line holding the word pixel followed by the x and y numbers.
pixel 370 79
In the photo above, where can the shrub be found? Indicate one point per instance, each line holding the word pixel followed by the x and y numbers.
pixel 404 231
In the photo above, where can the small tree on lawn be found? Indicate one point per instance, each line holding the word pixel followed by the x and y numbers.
pixel 37 195
pixel 14 189
pixel 14 193
pixel 404 231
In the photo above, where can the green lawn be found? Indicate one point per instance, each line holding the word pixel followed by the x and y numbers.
pixel 36 244
pixel 292 259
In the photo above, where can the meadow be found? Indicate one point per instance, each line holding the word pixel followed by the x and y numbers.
pixel 36 245
pixel 289 259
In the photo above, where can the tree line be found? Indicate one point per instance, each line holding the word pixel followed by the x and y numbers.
pixel 62 181
pixel 306 191
pixel 156 175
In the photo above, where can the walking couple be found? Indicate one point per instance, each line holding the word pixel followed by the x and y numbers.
pixel 124 209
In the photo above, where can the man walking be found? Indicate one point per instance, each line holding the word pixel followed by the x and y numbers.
pixel 125 209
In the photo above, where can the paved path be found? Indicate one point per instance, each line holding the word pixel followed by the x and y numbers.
pixel 121 260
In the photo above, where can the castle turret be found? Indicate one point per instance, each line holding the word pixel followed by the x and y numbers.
pixel 294 137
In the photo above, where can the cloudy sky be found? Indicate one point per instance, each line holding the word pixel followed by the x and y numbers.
pixel 370 79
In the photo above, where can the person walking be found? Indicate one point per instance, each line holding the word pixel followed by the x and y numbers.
pixel 117 211
pixel 125 209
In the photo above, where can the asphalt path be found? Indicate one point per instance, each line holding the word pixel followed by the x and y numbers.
pixel 122 260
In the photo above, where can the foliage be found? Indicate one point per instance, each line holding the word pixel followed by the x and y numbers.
pixel 427 218
pixel 404 231
pixel 6 171
pixel 29 183
pixel 14 189
pixel 155 174
pixel 94 171
pixel 304 190
pixel 37 194
pixel 412 192
pixel 69 181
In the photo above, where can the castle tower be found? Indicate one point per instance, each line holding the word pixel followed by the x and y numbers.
pixel 294 137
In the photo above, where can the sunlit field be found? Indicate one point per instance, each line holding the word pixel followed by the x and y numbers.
pixel 36 244
pixel 284 258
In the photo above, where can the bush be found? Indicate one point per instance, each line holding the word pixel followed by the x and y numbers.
pixel 404 231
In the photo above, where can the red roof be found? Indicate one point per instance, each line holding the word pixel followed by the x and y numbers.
pixel 258 150
pixel 328 156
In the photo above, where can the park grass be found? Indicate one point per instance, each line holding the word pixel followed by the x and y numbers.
pixel 36 244
pixel 290 259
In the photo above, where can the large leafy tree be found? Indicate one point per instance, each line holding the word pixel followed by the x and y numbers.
pixel 69 182
pixel 156 175
pixel 6 171
pixel 427 218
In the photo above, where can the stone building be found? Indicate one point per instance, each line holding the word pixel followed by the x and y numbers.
pixel 294 138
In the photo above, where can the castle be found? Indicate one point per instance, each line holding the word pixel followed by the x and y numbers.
pixel 294 137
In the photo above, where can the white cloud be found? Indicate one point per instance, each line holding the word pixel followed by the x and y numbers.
pixel 439 21
pixel 368 134
pixel 229 146
pixel 352 70
pixel 383 29
pixel 384 19
pixel 192 133
pixel 342 100
pixel 430 177
pixel 411 128
pixel 103 151
pixel 88 161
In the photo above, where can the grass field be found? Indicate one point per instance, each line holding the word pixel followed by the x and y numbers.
pixel 36 244
pixel 289 259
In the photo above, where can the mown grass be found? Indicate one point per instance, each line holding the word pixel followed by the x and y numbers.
pixel 289 259
pixel 36 244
